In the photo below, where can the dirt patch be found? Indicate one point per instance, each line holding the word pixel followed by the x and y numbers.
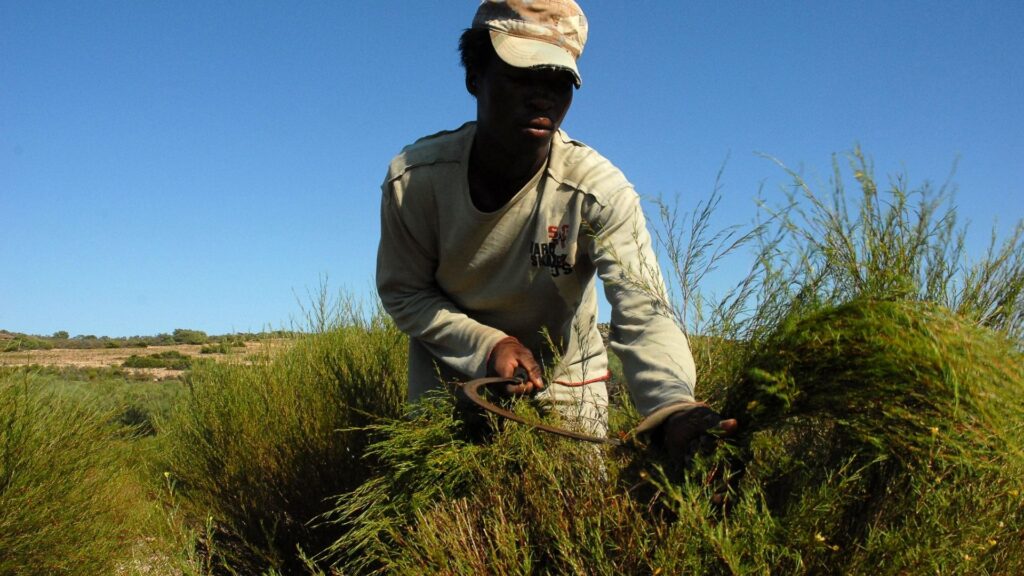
pixel 115 357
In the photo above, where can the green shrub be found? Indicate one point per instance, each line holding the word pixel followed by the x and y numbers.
pixel 262 447
pixel 183 336
pixel 872 427
pixel 877 423
pixel 904 244
pixel 22 342
pixel 64 495
pixel 440 501
pixel 127 398
pixel 172 360
pixel 222 347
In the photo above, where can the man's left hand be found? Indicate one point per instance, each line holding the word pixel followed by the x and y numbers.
pixel 684 433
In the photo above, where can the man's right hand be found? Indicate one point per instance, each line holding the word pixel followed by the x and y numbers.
pixel 509 354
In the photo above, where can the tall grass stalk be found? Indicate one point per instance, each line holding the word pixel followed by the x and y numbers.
pixel 903 244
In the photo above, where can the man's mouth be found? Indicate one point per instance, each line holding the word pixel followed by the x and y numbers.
pixel 539 127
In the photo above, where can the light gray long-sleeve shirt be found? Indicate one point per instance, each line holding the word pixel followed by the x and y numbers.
pixel 458 280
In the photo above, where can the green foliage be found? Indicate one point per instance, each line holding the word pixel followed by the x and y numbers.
pixel 183 336
pixel 262 447
pixel 876 436
pixel 171 359
pixel 137 405
pixel 64 497
pixel 904 244
pixel 13 341
pixel 877 423
pixel 443 502
pixel 21 343
pixel 226 346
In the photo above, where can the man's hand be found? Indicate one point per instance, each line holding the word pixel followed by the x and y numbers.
pixel 686 432
pixel 510 354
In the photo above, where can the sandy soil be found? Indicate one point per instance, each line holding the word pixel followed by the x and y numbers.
pixel 114 357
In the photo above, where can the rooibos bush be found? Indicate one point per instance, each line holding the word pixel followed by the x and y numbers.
pixel 892 431
pixel 63 503
pixel 261 447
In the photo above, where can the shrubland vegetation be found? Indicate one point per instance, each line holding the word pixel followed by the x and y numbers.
pixel 79 493
pixel 876 372
pixel 16 341
pixel 263 447
pixel 226 346
pixel 172 360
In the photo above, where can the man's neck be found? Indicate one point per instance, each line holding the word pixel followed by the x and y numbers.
pixel 495 176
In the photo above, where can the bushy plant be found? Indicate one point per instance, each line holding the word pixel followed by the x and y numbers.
pixel 262 446
pixel 444 502
pixel 171 359
pixel 226 346
pixel 140 405
pixel 64 494
pixel 903 244
pixel 23 342
pixel 875 425
pixel 184 336
pixel 868 432
pixel 81 491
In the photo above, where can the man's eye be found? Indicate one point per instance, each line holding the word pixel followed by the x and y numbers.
pixel 559 83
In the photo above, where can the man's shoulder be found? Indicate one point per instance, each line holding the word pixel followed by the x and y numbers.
pixel 447 146
pixel 579 166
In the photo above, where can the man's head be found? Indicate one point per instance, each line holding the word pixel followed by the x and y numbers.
pixel 525 34
pixel 520 59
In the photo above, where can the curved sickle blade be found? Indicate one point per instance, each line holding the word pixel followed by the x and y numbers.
pixel 471 390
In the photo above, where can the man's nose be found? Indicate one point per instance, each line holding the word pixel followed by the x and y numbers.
pixel 541 99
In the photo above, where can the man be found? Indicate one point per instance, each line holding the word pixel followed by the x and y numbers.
pixel 492 236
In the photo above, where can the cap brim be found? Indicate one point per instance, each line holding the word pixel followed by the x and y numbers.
pixel 527 53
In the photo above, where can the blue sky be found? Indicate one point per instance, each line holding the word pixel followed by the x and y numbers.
pixel 205 164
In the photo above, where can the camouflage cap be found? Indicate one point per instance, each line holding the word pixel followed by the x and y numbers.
pixel 534 33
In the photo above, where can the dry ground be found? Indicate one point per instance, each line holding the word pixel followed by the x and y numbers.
pixel 114 357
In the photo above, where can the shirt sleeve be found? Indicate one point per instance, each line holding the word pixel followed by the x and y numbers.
pixel 655 354
pixel 406 265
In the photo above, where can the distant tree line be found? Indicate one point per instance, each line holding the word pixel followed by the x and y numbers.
pixel 16 341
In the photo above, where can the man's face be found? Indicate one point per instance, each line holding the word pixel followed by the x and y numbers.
pixel 520 109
